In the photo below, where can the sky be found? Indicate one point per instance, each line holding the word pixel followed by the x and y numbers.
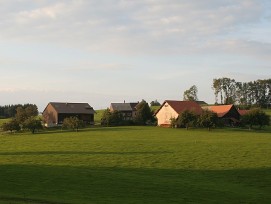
pixel 104 51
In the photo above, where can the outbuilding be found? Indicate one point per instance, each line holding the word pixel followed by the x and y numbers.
pixel 55 113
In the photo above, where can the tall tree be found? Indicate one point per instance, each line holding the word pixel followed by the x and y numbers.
pixel 191 94
pixel 143 113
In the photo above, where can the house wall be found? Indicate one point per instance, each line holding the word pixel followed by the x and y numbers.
pixel 86 118
pixel 165 114
pixel 50 116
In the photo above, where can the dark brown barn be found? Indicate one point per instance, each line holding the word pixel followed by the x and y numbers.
pixel 55 113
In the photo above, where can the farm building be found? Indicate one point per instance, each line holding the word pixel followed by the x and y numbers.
pixel 172 109
pixel 128 110
pixel 228 113
pixel 55 113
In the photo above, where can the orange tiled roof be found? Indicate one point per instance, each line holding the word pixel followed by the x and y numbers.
pixel 221 110
pixel 243 112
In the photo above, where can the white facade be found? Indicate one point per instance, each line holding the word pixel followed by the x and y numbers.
pixel 164 115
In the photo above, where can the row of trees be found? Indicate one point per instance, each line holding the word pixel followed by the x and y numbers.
pixel 209 119
pixel 143 116
pixel 243 93
pixel 25 118
pixel 9 111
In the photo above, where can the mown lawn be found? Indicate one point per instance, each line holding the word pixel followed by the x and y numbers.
pixel 136 165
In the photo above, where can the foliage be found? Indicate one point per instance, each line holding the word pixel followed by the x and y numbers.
pixel 22 114
pixel 9 111
pixel 255 117
pixel 191 94
pixel 11 125
pixel 243 93
pixel 187 118
pixel 173 122
pixel 155 103
pixel 144 114
pixel 32 124
pixel 136 165
pixel 111 118
pixel 208 119
pixel 72 123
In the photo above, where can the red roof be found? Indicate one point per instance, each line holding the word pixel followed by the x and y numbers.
pixel 220 110
pixel 180 106
pixel 243 112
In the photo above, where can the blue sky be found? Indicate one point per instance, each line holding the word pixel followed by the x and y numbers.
pixel 103 51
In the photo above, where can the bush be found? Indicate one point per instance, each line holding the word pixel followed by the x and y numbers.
pixel 255 117
pixel 72 123
pixel 11 126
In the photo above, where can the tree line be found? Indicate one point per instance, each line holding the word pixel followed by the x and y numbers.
pixel 9 111
pixel 252 93
pixel 24 118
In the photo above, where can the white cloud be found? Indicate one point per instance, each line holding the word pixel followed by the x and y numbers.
pixel 136 27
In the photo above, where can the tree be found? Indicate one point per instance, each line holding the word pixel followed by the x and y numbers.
pixel 187 118
pixel 72 123
pixel 208 119
pixel 111 118
pixel 12 125
pixel 23 113
pixel 255 117
pixel 32 124
pixel 243 93
pixel 191 94
pixel 143 113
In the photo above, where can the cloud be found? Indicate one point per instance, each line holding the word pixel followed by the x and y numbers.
pixel 129 27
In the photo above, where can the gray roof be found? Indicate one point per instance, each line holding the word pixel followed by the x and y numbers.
pixel 76 108
pixel 124 106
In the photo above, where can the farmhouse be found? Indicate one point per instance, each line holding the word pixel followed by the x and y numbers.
pixel 228 113
pixel 172 109
pixel 128 110
pixel 55 113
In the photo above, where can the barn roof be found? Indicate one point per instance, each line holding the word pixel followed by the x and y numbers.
pixel 180 106
pixel 221 110
pixel 243 112
pixel 77 108
pixel 124 106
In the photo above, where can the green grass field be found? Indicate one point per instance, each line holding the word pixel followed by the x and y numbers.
pixel 136 165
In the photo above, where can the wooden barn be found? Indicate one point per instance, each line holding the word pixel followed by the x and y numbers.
pixel 228 113
pixel 172 109
pixel 55 113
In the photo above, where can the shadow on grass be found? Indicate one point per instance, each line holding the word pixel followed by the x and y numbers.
pixel 81 153
pixel 92 129
pixel 52 185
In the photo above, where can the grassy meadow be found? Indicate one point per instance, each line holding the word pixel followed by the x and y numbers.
pixel 136 165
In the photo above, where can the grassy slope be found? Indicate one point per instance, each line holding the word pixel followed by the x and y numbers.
pixel 136 165
pixel 3 121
